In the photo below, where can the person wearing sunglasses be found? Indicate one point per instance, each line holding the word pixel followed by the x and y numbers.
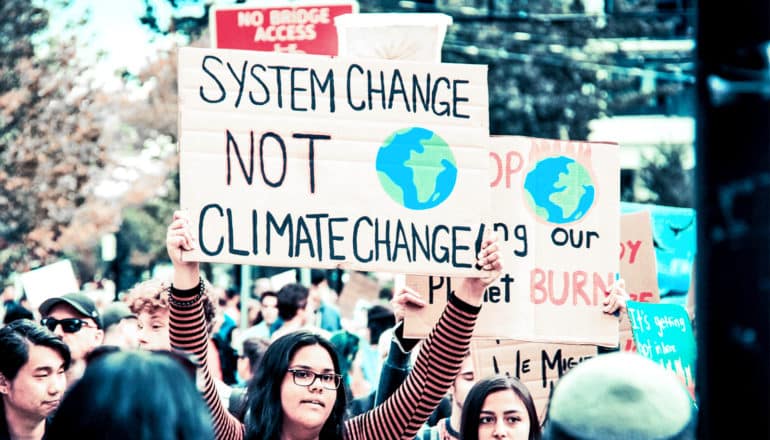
pixel 297 391
pixel 75 318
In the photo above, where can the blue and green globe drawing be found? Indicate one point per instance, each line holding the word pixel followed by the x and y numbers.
pixel 416 168
pixel 559 190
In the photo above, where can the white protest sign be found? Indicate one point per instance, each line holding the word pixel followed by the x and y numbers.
pixel 556 211
pixel 311 161
pixel 391 35
pixel 279 280
pixel 48 282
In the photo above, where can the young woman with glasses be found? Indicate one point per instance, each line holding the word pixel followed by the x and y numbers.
pixel 297 393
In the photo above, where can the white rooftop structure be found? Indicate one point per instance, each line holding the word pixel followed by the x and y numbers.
pixel 641 135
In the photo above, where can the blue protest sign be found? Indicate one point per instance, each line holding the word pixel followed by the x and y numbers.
pixel 663 333
pixel 675 238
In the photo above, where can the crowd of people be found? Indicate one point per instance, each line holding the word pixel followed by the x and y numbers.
pixel 169 360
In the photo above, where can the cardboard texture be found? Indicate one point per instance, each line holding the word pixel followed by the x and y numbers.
pixel 663 333
pixel 637 267
pixel 556 213
pixel 674 232
pixel 359 287
pixel 539 366
pixel 299 26
pixel 310 161
pixel 49 281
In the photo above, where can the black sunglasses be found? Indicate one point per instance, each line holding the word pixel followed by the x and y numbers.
pixel 68 325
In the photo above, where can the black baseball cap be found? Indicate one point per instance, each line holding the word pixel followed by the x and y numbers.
pixel 78 301
pixel 116 312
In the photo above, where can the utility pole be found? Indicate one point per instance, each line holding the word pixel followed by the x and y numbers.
pixel 733 203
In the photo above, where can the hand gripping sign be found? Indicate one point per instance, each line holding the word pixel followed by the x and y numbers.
pixel 312 161
pixel 555 209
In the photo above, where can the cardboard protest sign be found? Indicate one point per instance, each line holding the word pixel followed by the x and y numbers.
pixel 279 26
pixel 662 332
pixel 675 236
pixel 48 282
pixel 637 267
pixel 359 287
pixel 310 161
pixel 539 366
pixel 556 213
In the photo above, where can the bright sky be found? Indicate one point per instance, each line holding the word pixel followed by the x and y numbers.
pixel 114 28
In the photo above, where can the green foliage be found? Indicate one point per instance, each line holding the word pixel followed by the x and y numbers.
pixel 545 85
pixel 543 79
pixel 665 178
pixel 19 20
pixel 142 234
pixel 50 149
pixel 190 24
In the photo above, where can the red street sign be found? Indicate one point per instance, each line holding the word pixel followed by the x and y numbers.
pixel 296 27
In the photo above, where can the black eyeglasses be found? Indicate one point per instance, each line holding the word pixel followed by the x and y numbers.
pixel 306 378
pixel 68 325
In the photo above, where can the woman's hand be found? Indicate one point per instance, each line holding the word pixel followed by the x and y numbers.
pixel 471 290
pixel 405 298
pixel 615 301
pixel 179 238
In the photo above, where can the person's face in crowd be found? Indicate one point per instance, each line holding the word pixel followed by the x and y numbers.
pixel 308 407
pixel 9 294
pixel 153 330
pixel 220 295
pixel 128 329
pixel 463 384
pixel 261 285
pixel 503 415
pixel 219 319
pixel 314 298
pixel 270 309
pixel 232 303
pixel 39 385
pixel 254 308
pixel 82 341
pixel 243 367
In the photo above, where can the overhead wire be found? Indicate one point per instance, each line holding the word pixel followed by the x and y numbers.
pixel 683 61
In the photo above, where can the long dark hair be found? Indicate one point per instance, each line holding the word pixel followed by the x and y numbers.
pixel 469 422
pixel 265 418
pixel 133 395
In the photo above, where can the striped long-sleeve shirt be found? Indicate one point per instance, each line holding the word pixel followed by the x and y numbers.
pixel 399 417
